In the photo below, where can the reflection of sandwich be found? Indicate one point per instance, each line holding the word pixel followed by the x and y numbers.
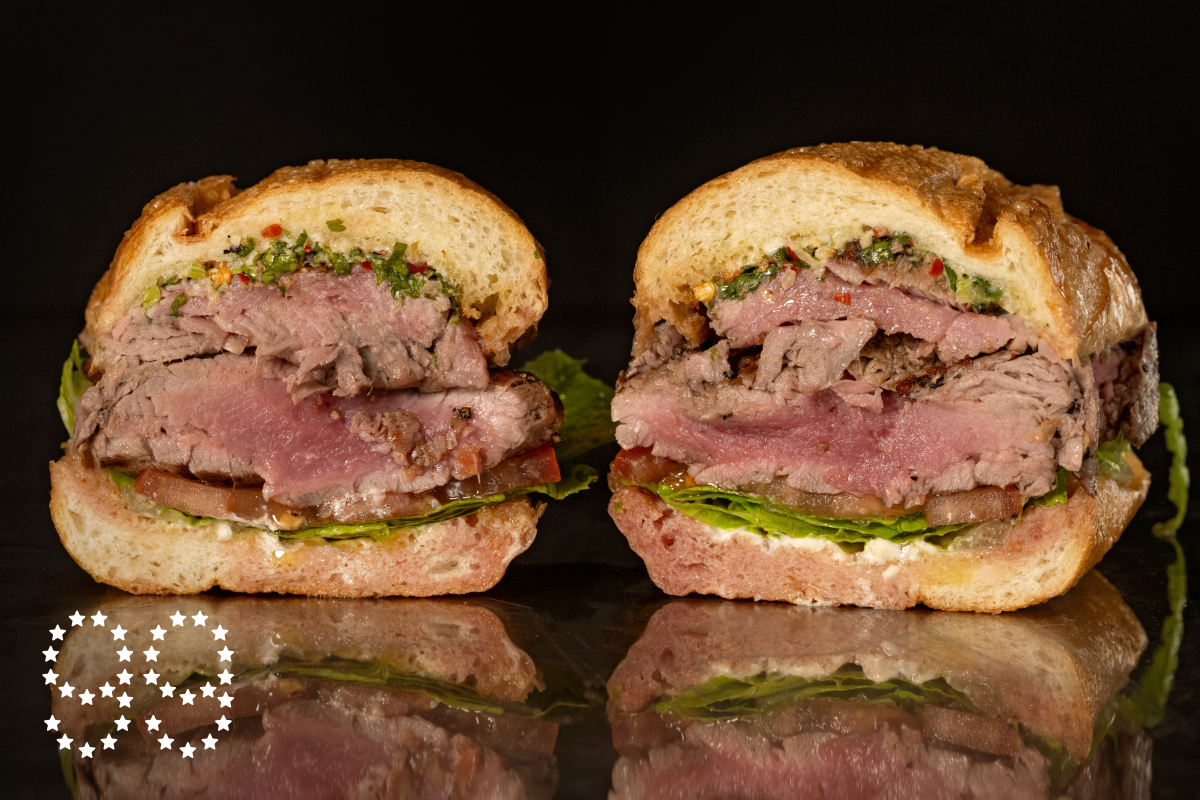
pixel 721 699
pixel 883 376
pixel 297 390
pixel 328 699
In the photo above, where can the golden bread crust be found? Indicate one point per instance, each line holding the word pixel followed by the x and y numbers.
pixel 146 556
pixel 1065 278
pixel 1042 557
pixel 463 231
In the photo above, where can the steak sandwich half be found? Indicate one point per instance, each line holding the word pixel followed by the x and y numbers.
pixel 300 388
pixel 880 375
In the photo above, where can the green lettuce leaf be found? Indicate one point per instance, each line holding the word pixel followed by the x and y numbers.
pixel 731 511
pixel 74 383
pixel 587 403
pixel 1056 495
pixel 725 697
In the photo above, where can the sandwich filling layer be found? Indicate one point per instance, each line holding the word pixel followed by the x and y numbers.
pixel 292 386
pixel 873 382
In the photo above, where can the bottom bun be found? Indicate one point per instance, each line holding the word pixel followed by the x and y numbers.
pixel 148 556
pixel 1042 556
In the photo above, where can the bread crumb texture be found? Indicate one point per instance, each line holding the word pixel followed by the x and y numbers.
pixel 146 556
pixel 1042 557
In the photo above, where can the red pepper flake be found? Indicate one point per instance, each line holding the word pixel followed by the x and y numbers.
pixel 792 255
pixel 367 265
pixel 842 297
pixel 879 233
pixel 244 278
pixel 418 268
pixel 937 268
pixel 272 231
pixel 308 248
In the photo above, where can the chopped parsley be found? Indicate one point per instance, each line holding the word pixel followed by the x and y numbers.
pixel 335 225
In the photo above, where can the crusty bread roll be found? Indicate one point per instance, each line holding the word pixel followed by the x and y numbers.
pixel 150 556
pixel 1064 278
pixel 754 366
pixel 461 230
pixel 1042 556
pixel 435 222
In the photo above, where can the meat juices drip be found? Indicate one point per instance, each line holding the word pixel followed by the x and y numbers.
pixel 870 382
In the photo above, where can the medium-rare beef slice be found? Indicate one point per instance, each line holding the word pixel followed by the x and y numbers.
pixel 1002 420
pixel 231 417
pixel 747 321
pixel 344 333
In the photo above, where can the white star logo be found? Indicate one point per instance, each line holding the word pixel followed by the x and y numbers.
pixel 168 690
pixel 122 723
pixel 177 619
pixel 152 723
pixel 151 677
pixel 56 633
pixel 124 653
pixel 151 654
pixel 225 654
pixel 50 653
pixel 199 619
pixel 98 620
pixel 226 677
pixel 86 750
pixel 106 690
pixel 210 742
pixel 76 619
pixel 165 741
pixel 51 677
pixel 158 633
pixel 124 676
pixel 223 723
pixel 66 689
pixel 207 690
pixel 187 697
pixel 119 633
pixel 187 750
pixel 226 701
pixel 123 701
pixel 52 724
pixel 65 742
pixel 108 742
pixel 86 698
pixel 219 633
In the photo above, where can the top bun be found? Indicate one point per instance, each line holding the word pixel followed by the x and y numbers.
pixel 461 230
pixel 1066 279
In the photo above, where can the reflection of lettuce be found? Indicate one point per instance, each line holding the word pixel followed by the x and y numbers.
pixel 733 511
pixel 74 383
pixel 587 403
pixel 725 697
pixel 379 674
pixel 1148 705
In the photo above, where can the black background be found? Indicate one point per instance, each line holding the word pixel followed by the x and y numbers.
pixel 588 131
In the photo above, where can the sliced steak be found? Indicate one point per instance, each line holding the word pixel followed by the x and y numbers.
pixel 999 421
pixel 343 333
pixel 231 417
pixel 1127 382
pixel 747 321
